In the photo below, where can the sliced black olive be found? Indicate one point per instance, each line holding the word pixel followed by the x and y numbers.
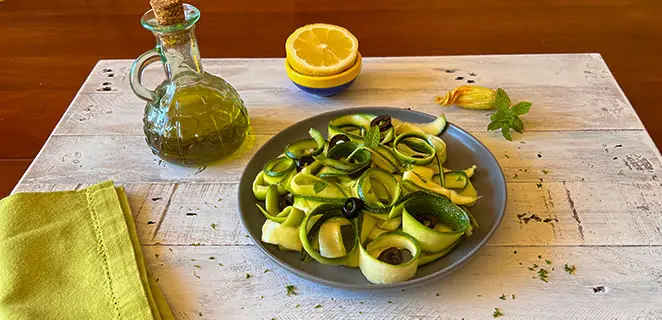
pixel 391 255
pixel 337 138
pixel 383 121
pixel 303 162
pixel 352 208
pixel 427 220
pixel 286 200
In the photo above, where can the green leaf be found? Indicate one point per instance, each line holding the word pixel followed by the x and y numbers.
pixel 318 186
pixel 498 115
pixel 505 130
pixel 372 137
pixel 517 125
pixel 502 101
pixel 495 125
pixel 521 108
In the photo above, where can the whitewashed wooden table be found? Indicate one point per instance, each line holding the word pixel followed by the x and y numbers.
pixel 601 192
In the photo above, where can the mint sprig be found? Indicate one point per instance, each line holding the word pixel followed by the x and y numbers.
pixel 372 137
pixel 507 117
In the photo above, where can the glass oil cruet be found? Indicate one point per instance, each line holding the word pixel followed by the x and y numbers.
pixel 192 117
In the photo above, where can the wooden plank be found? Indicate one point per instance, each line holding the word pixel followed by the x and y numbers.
pixel 110 113
pixel 556 214
pixel 566 156
pixel 610 283
pixel 583 81
pixel 404 74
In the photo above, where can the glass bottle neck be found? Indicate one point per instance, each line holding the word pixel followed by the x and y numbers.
pixel 180 54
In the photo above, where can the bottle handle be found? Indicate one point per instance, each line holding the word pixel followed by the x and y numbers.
pixel 136 74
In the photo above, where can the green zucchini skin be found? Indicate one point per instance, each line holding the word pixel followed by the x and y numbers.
pixel 398 179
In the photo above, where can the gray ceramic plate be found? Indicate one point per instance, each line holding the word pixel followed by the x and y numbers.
pixel 463 151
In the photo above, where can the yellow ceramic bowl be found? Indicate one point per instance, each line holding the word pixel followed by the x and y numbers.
pixel 328 85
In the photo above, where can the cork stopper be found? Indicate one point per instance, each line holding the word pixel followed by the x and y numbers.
pixel 168 12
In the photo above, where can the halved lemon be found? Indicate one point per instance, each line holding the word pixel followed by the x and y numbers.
pixel 321 49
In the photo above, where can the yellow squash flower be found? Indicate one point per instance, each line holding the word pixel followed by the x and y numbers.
pixel 469 97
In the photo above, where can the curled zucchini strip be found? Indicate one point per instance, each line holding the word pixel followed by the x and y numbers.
pixel 355 126
pixel 308 233
pixel 262 182
pixel 439 146
pixel 434 128
pixel 413 148
pixel 384 158
pixel 426 257
pixel 380 272
pixel 338 159
pixel 303 184
pixel 306 147
pixel 421 178
pixel 451 221
pixel 278 167
pixel 285 234
pixel 378 189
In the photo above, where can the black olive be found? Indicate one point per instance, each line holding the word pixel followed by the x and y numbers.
pixel 337 138
pixel 303 162
pixel 284 201
pixel 357 173
pixel 427 220
pixel 383 121
pixel 391 255
pixel 352 208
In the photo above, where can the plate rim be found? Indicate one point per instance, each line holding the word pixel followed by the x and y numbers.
pixel 435 276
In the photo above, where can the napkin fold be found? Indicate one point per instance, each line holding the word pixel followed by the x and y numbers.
pixel 74 255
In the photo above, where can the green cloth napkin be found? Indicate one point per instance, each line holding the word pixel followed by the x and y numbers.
pixel 74 255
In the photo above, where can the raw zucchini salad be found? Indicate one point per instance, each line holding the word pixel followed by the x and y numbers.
pixel 375 195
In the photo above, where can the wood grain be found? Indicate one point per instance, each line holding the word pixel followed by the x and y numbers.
pixel 565 155
pixel 629 288
pixel 54 44
pixel 578 213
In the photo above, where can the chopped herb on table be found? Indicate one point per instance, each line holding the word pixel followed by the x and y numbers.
pixel 513 296
pixel 248 276
pixel 548 262
pixel 291 289
pixel 213 226
pixel 543 275
pixel 318 306
pixel 570 270
pixel 212 258
pixel 545 171
pixel 298 305
pixel 196 266
pixel 502 297
pixel 539 185
pixel 266 270
pixel 497 313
